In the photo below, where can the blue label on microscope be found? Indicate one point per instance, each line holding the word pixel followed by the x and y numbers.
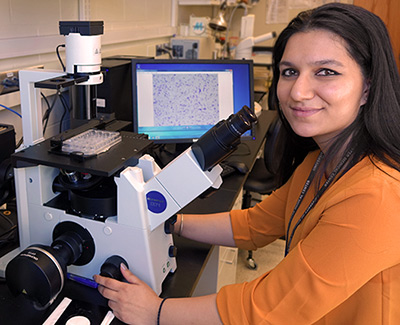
pixel 156 202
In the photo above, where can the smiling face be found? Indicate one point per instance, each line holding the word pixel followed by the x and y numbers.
pixel 321 87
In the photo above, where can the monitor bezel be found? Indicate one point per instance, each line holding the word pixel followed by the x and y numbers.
pixel 135 62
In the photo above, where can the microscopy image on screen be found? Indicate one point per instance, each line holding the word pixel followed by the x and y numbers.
pixel 185 99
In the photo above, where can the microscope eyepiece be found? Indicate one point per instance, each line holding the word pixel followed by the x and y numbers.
pixel 222 139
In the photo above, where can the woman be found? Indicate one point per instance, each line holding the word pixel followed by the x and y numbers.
pixel 337 90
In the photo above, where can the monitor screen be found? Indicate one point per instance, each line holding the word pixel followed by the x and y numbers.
pixel 179 100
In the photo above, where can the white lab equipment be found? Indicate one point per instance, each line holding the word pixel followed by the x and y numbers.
pixel 244 49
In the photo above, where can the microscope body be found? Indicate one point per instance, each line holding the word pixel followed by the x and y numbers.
pixel 78 210
pixel 146 197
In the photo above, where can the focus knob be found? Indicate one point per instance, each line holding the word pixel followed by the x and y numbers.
pixel 110 267
pixel 172 251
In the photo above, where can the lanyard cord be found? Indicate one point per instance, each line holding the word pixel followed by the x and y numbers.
pixel 301 197
pixel 316 197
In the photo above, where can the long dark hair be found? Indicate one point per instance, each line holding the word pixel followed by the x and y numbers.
pixel 376 130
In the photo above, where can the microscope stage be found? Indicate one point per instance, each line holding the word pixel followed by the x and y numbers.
pixel 123 154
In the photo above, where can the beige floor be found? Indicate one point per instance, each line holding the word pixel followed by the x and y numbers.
pixel 266 258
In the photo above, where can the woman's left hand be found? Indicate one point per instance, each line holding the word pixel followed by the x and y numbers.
pixel 132 302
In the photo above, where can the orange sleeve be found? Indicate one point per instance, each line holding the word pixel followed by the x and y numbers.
pixel 261 224
pixel 355 237
pixel 249 230
pixel 265 222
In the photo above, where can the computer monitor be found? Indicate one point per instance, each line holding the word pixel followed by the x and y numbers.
pixel 177 101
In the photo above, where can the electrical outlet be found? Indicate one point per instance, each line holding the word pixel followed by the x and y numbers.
pixel 162 49
pixel 9 81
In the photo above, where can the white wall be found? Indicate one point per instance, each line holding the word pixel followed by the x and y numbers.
pixel 29 34
pixel 29 29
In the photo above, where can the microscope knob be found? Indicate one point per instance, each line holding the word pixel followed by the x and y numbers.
pixel 169 224
pixel 172 251
pixel 110 267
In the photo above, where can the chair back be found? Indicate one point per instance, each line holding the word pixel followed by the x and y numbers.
pixel 271 155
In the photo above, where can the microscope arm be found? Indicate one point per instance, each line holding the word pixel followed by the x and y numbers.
pixel 31 105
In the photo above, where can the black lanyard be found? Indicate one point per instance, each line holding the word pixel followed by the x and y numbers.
pixel 316 197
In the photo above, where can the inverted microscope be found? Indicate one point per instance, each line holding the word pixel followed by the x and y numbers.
pixel 91 197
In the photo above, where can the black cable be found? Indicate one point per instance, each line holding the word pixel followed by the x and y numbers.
pixel 10 232
pixel 20 142
pixel 66 109
pixel 167 52
pixel 50 109
pixel 65 103
pixel 61 121
pixel 47 113
pixel 58 55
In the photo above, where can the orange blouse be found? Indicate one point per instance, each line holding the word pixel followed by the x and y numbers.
pixel 344 261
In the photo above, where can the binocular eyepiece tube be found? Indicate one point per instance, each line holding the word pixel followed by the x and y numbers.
pixel 223 138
